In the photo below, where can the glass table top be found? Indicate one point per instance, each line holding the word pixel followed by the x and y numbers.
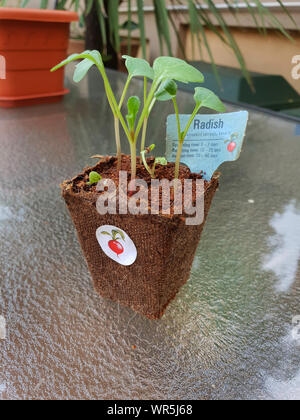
pixel 232 331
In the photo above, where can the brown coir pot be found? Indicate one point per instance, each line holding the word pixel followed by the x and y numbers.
pixel 165 249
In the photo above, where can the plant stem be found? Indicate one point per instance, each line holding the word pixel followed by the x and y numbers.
pixel 177 117
pixel 110 102
pixel 145 124
pixel 145 90
pixel 182 136
pixel 180 140
pixel 152 105
pixel 190 121
pixel 124 91
pixel 177 165
pixel 133 159
pixel 148 169
pixel 118 142
pixel 113 100
pixel 144 134
pixel 146 107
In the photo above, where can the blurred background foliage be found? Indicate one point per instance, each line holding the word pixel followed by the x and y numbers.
pixel 100 20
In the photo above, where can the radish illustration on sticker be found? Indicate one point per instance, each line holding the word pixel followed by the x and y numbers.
pixel 232 142
pixel 116 244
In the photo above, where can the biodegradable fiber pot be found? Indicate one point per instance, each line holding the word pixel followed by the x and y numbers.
pixel 31 42
pixel 165 245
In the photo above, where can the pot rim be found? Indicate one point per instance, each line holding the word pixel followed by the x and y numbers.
pixel 37 15
pixel 90 196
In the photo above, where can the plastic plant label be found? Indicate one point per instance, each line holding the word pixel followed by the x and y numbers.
pixel 2 328
pixel 210 141
pixel 116 244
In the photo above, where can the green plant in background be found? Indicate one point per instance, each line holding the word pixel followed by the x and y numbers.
pixel 163 75
pixel 202 14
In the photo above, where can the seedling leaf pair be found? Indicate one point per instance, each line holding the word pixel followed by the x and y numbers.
pixel 167 91
pixel 206 98
pixel 133 106
pixel 94 178
pixel 165 72
pixel 89 58
pixel 176 69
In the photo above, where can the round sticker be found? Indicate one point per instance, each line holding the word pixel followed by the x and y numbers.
pixel 116 244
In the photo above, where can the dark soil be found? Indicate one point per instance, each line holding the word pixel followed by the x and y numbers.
pixel 107 168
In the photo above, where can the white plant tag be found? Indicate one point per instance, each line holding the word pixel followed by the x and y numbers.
pixel 2 328
pixel 116 244
pixel 210 141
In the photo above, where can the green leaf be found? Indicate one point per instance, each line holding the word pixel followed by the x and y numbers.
pixel 141 16
pixel 178 35
pixel 113 20
pixel 286 10
pixel 81 69
pixel 94 178
pixel 198 31
pixel 129 40
pixel 206 98
pixel 152 147
pixel 231 40
pixel 44 4
pixel 161 18
pixel 89 5
pixel 161 161
pixel 60 4
pixel 138 67
pixel 81 21
pixel 133 106
pixel 167 91
pixel 176 69
pixel 101 19
pixel 129 25
pixel 94 56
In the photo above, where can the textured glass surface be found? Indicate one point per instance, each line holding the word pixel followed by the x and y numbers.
pixel 229 334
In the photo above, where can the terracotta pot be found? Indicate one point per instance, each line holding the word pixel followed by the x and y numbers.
pixel 165 246
pixel 31 43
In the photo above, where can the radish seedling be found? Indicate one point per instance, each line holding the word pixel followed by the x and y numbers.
pixel 165 71
pixel 159 160
pixel 203 98
pixel 94 178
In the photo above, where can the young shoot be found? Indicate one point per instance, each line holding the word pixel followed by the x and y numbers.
pixel 203 98
pixel 133 107
pixel 165 71
pixel 94 178
pixel 158 161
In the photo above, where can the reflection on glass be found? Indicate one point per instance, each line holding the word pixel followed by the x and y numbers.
pixel 283 260
pixel 284 390
pixel 5 213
